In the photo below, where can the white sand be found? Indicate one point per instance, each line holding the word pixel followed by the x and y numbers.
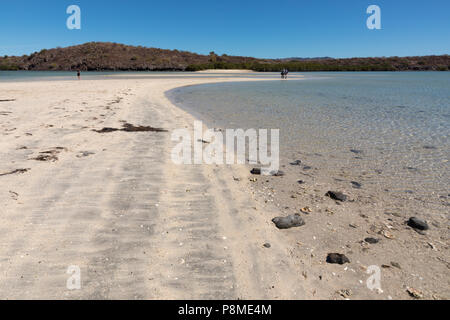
pixel 137 225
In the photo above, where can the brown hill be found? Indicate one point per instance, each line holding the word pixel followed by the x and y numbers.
pixel 102 56
pixel 110 56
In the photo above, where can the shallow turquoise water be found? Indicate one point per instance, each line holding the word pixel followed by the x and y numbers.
pixel 15 76
pixel 400 121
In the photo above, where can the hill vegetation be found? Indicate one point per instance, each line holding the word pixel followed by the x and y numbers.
pixel 102 56
pixel 425 63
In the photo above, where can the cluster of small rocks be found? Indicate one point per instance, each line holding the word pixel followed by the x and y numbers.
pixel 296 220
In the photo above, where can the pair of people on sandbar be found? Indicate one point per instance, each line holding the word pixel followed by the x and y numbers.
pixel 284 73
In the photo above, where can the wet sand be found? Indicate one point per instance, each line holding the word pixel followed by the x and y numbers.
pixel 141 227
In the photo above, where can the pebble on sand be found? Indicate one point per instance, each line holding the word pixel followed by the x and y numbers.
pixel 84 154
pixel 417 294
pixel 416 223
pixel 278 173
pixel 275 173
pixel 288 222
pixel 372 240
pixel 356 184
pixel 337 258
pixel 306 210
pixel 296 163
pixel 335 195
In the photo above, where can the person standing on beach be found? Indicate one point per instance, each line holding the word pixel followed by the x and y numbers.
pixel 78 74
pixel 282 74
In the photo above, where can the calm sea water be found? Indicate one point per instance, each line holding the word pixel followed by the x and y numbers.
pixel 14 76
pixel 399 121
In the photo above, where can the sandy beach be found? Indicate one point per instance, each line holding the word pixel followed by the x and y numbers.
pixel 141 227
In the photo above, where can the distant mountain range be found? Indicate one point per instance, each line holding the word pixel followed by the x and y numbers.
pixel 105 56
pixel 306 59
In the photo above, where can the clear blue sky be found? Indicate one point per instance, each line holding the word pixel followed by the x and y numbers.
pixel 260 28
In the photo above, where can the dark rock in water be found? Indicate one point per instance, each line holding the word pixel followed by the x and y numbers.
pixel 266 245
pixel 371 240
pixel 337 258
pixel 416 223
pixel 288 222
pixel 335 195
pixel 356 185
pixel 256 171
pixel 296 163
pixel 356 151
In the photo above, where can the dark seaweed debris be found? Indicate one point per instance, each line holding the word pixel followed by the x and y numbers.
pixel 128 127
pixel 14 172
pixel 7 100
pixel 50 155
